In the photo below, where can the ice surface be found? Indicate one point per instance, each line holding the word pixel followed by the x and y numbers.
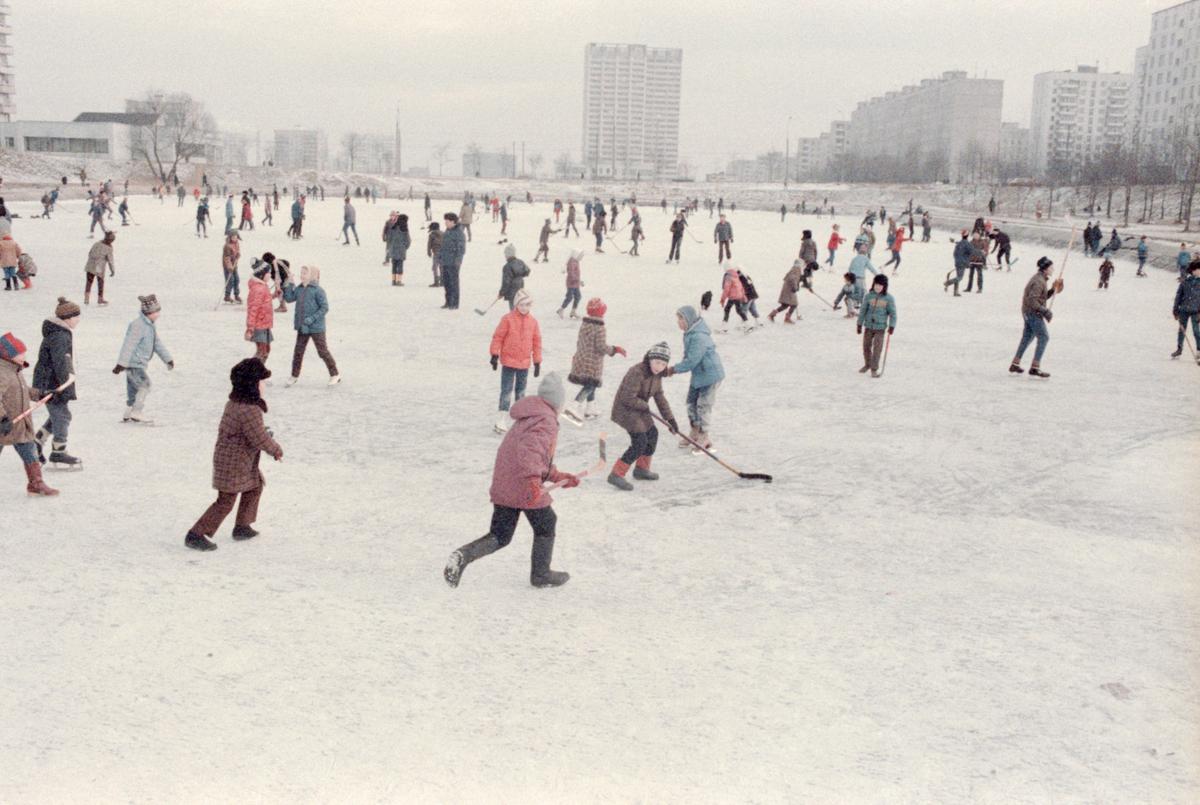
pixel 963 585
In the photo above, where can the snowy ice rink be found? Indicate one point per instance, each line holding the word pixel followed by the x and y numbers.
pixel 963 584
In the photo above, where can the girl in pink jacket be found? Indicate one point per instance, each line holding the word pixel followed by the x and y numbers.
pixel 524 462
pixel 733 293
pixel 574 283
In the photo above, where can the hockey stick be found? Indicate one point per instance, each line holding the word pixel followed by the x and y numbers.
pixel 1063 267
pixel 887 342
pixel 823 299
pixel 750 476
pixel 615 246
pixel 595 469
pixel 489 307
pixel 44 400
pixel 1186 340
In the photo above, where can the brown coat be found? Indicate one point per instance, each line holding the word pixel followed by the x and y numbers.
pixel 14 401
pixel 587 367
pixel 1036 294
pixel 631 405
pixel 792 282
pixel 980 242
pixel 240 438
pixel 100 254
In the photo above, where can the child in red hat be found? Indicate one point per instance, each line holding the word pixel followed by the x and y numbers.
pixel 587 366
pixel 15 402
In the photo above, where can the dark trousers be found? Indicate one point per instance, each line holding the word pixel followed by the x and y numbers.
pixel 676 242
pixel 215 514
pixel 450 284
pixel 723 249
pixel 735 305
pixel 318 339
pixel 872 348
pixel 641 444
pixel 504 522
pixel 99 278
pixel 976 274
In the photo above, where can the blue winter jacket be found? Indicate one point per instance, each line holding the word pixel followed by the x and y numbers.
pixel 1187 297
pixel 878 311
pixel 1143 249
pixel 1182 259
pixel 311 307
pixel 963 252
pixel 860 265
pixel 141 344
pixel 297 210
pixel 454 247
pixel 699 352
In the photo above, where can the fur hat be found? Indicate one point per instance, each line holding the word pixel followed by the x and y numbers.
pixel 551 390
pixel 807 234
pixel 510 251
pixel 65 309
pixel 596 307
pixel 244 377
pixel 11 347
pixel 1193 266
pixel 150 304
pixel 880 279
pixel 660 351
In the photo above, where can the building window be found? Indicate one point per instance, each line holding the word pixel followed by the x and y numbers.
pixel 10 142
pixel 66 145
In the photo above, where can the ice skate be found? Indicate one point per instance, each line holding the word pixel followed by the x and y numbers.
pixel 1177 353
pixel 1036 372
pixel 291 381
pixel 60 458
pixel 590 412
pixel 501 423
pixel 572 414
pixel 334 380
pixel 1016 369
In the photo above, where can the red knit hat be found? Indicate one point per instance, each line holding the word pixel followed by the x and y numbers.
pixel 596 307
pixel 11 347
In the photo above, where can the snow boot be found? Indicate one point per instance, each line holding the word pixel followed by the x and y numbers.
pixel 617 476
pixel 1016 369
pixel 864 369
pixel 1177 353
pixel 641 470
pixel 467 554
pixel 36 486
pixel 787 318
pixel 59 455
pixel 243 532
pixel 540 574
pixel 199 542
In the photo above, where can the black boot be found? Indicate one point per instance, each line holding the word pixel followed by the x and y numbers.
pixel 467 554
pixel 1177 353
pixel 540 574
pixel 59 455
pixel 241 532
pixel 199 542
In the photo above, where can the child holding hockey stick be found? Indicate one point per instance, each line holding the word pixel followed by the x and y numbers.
pixel 631 410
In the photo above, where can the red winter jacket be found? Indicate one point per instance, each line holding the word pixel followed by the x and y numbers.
pixel 899 239
pixel 526 457
pixel 836 240
pixel 260 315
pixel 731 287
pixel 517 337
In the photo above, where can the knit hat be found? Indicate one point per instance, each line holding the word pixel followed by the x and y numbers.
pixel 510 251
pixel 1043 263
pixel 551 390
pixel 150 304
pixel 260 269
pixel 11 347
pixel 596 307
pixel 522 296
pixel 65 309
pixel 797 263
pixel 660 351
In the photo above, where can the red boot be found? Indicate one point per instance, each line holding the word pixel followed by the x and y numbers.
pixel 617 476
pixel 36 485
pixel 641 470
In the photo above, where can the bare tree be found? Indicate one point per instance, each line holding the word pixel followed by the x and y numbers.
pixel 562 166
pixel 352 146
pixel 439 155
pixel 472 159
pixel 535 163
pixel 176 128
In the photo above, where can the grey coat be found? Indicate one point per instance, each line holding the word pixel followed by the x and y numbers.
pixel 398 242
pixel 454 247
pixel 512 278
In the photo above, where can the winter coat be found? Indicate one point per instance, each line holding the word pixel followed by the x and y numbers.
pixel 100 255
pixel 1106 269
pixel 526 456
pixel 792 282
pixel 1182 259
pixel 311 307
pixel 878 311
pixel 466 215
pixel 1142 250
pixel 677 228
pixel 860 265
pixel 731 287
pixel 454 247
pixel 899 241
pixel 247 212
pixel 398 242
pixel 512 278
pixel 964 253
pixel 980 245
pixel 10 252
pixel 141 344
pixel 748 286
pixel 544 236
pixel 14 401
pixel 349 216
pixel 433 246
pixel 260 313
pixel 835 241
pixel 230 255
pixel 56 360
pixel 1187 297
pixel 587 366
pixel 808 251
pixel 1035 296
pixel 229 208
pixel 241 437
pixel 723 231
pixel 517 337
pixel 297 210
pixel 573 280
pixel 631 405
pixel 699 352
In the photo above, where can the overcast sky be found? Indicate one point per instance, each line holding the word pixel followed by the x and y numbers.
pixel 498 71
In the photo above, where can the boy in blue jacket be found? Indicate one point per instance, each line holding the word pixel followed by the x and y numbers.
pixel 140 345
pixel 701 359
pixel 877 314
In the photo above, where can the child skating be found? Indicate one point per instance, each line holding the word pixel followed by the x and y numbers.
pixel 141 344
pixel 587 365
pixel 631 410
pixel 876 316
pixel 574 283
pixel 516 342
pixel 700 358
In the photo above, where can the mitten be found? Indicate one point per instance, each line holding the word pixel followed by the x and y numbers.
pixel 118 369
pixel 495 362
pixel 537 369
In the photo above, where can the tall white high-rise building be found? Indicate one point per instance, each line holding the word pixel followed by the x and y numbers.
pixel 631 110
pixel 1167 76
pixel 300 149
pixel 8 89
pixel 1077 115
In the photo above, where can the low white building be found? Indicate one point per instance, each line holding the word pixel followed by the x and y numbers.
pixel 93 139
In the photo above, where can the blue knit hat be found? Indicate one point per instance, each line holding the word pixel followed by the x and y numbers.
pixel 11 347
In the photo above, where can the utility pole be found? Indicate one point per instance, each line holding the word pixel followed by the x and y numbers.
pixel 522 157
pixel 787 152
pixel 396 145
pixel 514 153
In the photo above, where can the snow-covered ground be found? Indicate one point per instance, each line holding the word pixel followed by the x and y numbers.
pixel 962 585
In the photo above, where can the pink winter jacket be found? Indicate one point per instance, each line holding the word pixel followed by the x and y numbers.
pixel 260 313
pixel 526 457
pixel 573 273
pixel 731 288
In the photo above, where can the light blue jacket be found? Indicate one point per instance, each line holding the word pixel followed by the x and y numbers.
pixel 311 307
pixel 699 352
pixel 860 265
pixel 878 311
pixel 228 208
pixel 141 344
